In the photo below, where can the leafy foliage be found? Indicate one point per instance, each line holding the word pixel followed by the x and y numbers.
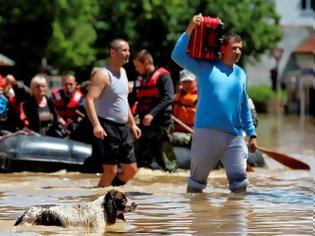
pixel 255 20
pixel 73 34
pixel 24 34
pixel 263 95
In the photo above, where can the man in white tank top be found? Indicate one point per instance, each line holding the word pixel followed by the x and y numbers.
pixel 108 110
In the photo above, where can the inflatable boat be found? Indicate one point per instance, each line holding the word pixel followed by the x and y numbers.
pixel 46 154
pixel 21 152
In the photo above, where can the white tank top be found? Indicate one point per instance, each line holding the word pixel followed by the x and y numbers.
pixel 112 104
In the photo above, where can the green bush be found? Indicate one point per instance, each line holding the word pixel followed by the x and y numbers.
pixel 263 95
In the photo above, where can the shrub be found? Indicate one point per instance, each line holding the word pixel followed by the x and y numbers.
pixel 263 95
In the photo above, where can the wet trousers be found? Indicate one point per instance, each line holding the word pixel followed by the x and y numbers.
pixel 208 147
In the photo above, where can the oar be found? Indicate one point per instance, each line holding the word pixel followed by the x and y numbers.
pixel 285 159
pixel 280 157
pixel 182 124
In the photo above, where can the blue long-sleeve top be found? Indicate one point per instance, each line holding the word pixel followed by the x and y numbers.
pixel 222 96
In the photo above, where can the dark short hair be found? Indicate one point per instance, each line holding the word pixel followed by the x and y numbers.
pixel 230 35
pixel 143 55
pixel 114 44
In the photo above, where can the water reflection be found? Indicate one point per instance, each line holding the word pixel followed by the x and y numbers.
pixel 287 133
pixel 280 201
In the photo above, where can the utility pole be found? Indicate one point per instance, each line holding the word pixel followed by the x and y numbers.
pixel 276 53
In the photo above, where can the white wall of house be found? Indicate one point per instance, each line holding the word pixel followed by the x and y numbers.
pixel 297 24
pixel 292 13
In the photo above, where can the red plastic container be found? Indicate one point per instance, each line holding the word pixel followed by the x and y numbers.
pixel 206 39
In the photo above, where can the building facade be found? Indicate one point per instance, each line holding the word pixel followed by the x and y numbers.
pixel 297 21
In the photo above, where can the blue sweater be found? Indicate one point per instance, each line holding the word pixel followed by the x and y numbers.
pixel 222 97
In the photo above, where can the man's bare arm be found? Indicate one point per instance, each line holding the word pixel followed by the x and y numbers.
pixel 99 82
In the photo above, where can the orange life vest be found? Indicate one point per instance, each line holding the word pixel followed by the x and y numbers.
pixel 67 111
pixel 147 92
pixel 184 108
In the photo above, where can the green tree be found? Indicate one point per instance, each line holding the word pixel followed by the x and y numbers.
pixel 25 30
pixel 73 35
pixel 255 20
pixel 153 25
pixel 60 30
pixel 156 24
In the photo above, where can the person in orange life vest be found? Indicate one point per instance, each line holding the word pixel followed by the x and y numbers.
pixel 154 97
pixel 69 101
pixel 14 92
pixel 38 112
pixel 184 107
pixel 184 104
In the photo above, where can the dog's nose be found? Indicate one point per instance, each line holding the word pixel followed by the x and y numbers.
pixel 131 207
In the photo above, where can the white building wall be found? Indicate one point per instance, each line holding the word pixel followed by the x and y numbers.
pixel 292 14
pixel 297 25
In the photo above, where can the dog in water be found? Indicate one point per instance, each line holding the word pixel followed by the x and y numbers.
pixel 103 211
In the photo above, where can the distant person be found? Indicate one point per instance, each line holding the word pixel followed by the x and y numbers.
pixel 253 111
pixel 69 101
pixel 14 93
pixel 38 112
pixel 154 96
pixel 84 130
pixel 222 113
pixel 184 107
pixel 274 78
pixel 20 90
pixel 84 87
pixel 255 159
pixel 109 112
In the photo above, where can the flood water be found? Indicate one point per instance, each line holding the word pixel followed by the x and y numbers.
pixel 279 201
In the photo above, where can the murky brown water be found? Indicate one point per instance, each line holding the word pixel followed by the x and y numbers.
pixel 279 201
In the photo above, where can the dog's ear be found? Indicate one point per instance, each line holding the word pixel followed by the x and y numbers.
pixel 110 208
pixel 19 220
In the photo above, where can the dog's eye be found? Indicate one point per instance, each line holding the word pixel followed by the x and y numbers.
pixel 123 203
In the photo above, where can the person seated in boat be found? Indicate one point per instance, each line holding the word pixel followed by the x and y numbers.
pixel 38 113
pixel 184 107
pixel 255 159
pixel 84 131
pixel 12 93
pixel 253 111
pixel 69 101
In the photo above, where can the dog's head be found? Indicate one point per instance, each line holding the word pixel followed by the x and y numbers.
pixel 115 204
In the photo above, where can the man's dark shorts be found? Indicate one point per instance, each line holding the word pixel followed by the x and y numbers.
pixel 117 147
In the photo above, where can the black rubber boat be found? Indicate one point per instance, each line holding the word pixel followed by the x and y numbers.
pixel 46 154
pixel 20 152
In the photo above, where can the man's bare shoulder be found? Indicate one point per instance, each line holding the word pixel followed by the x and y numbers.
pixel 100 75
pixel 99 72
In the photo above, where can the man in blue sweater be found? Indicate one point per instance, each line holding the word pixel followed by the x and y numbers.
pixel 222 113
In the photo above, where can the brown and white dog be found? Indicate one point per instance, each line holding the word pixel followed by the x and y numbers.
pixel 103 211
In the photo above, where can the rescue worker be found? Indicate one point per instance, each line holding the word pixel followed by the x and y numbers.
pixel 154 96
pixel 184 107
pixel 12 94
pixel 69 101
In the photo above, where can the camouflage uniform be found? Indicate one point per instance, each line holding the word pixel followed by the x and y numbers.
pixel 155 92
pixel 182 139
pixel 155 145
